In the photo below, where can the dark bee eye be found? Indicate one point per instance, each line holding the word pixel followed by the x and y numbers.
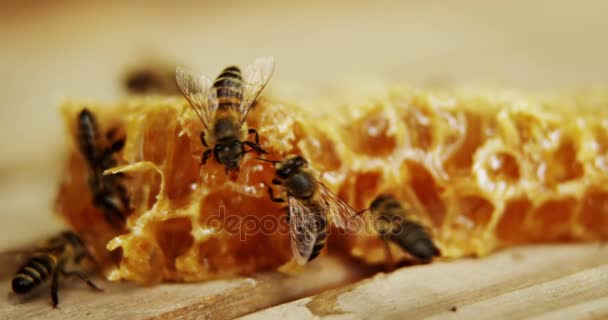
pixel 283 173
pixel 299 161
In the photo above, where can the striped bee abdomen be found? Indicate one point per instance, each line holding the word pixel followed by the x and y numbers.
pixel 33 273
pixel 87 135
pixel 321 230
pixel 414 239
pixel 229 88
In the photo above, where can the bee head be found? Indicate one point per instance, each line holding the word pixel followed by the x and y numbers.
pixel 72 238
pixel 291 165
pixel 229 153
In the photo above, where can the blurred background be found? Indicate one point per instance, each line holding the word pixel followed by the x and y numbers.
pixel 53 50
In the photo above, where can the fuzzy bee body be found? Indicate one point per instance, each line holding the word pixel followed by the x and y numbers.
pixel 34 272
pixel 392 223
pixel 154 76
pixel 222 107
pixel 87 136
pixel 229 88
pixel 320 228
pixel 317 226
pixel 49 262
pixel 108 192
pixel 311 205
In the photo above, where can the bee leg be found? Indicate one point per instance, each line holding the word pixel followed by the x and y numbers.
pixel 257 137
pixel 256 147
pixel 82 277
pixel 272 197
pixel 389 255
pixel 206 155
pixel 55 283
pixel 54 289
pixel 287 217
pixel 203 139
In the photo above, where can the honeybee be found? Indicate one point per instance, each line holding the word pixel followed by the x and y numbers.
pixel 392 223
pixel 154 77
pixel 222 107
pixel 50 262
pixel 310 205
pixel 109 194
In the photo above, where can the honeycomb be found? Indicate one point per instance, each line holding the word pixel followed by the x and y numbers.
pixel 481 169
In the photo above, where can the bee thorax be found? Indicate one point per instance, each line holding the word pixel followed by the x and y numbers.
pixel 226 128
pixel 301 185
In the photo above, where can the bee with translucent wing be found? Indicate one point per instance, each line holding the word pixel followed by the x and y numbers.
pixel 310 205
pixel 222 107
pixel 391 221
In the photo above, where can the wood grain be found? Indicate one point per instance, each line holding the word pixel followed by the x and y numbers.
pixel 544 282
pixel 564 281
pixel 221 299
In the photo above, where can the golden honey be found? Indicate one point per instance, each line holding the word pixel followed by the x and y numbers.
pixel 482 169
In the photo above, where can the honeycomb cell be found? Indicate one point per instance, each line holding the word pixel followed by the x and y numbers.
pixel 594 213
pixel 243 228
pixel 371 136
pixel 159 126
pixel 420 129
pixel 552 220
pixel 560 166
pixel 509 229
pixel 462 157
pixel 321 151
pixel 427 191
pixel 453 131
pixel 174 238
pixel 497 170
pixel 528 129
pixel 182 170
pixel 503 167
pixel 475 213
pixel 365 188
pixel 214 255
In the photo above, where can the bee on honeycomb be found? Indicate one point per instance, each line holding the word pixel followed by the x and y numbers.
pixel 483 170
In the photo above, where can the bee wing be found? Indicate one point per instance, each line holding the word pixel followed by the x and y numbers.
pixel 341 214
pixel 301 230
pixel 199 91
pixel 255 78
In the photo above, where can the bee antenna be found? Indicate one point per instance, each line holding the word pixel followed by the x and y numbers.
pixel 361 211
pixel 267 160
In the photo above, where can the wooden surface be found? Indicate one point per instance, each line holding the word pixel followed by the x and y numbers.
pixel 68 48
pixel 558 282
pixel 220 299
pixel 544 282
